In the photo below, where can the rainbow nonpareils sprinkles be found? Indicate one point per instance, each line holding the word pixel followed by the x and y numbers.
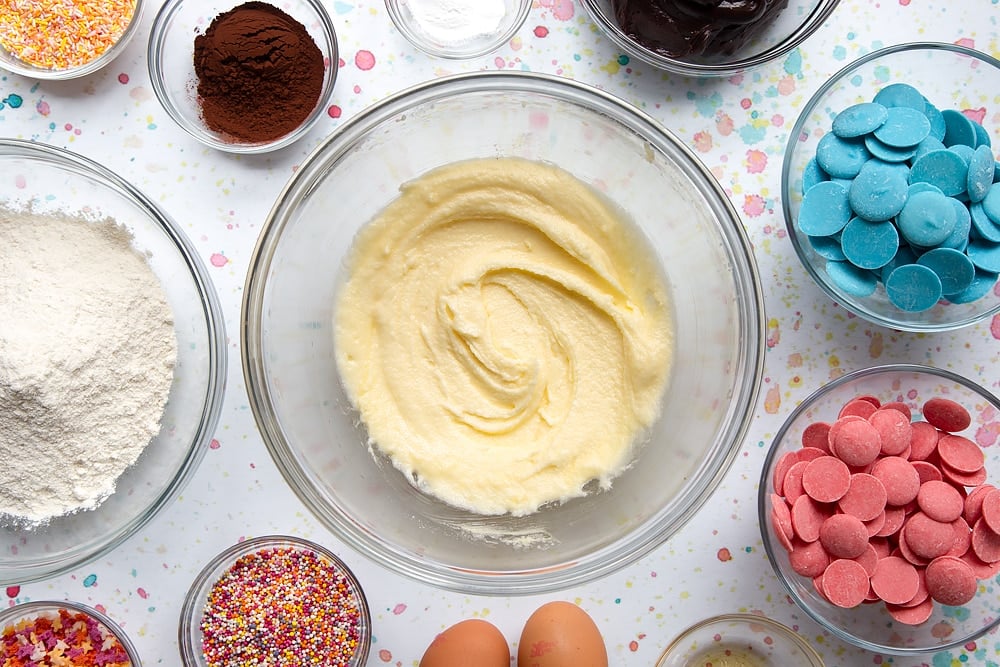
pixel 282 605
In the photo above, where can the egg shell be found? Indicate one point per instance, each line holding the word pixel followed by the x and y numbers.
pixel 561 634
pixel 470 643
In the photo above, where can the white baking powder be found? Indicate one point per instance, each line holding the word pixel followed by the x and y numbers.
pixel 456 21
pixel 87 350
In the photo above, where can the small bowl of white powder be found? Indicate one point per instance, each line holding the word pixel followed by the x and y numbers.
pixel 111 363
pixel 458 29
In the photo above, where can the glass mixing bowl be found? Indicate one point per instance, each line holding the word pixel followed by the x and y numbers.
pixel 20 617
pixel 12 63
pixel 315 435
pixel 951 77
pixel 870 626
pixel 739 639
pixel 52 179
pixel 170 56
pixel 793 25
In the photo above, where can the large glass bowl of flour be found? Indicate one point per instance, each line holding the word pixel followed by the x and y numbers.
pixel 56 426
pixel 320 441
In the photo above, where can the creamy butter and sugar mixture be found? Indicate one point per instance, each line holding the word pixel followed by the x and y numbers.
pixel 505 335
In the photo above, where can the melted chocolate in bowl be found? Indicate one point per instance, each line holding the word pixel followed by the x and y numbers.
pixel 682 28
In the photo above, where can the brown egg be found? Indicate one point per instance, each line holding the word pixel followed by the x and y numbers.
pixel 561 634
pixel 470 643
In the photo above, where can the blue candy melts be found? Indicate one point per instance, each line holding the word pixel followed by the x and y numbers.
pixel 869 245
pixel 879 191
pixel 982 136
pixel 922 215
pixel 851 279
pixel 953 268
pixel 841 158
pixel 985 255
pixel 812 174
pixel 980 176
pixel 825 209
pixel 936 120
pixel 980 287
pixel 888 153
pixel 958 129
pixel 904 127
pixel 983 227
pixel 904 255
pixel 921 186
pixel 859 119
pixel 927 145
pixel 926 220
pixel 943 168
pixel 901 95
pixel 963 151
pixel 827 247
pixel 913 288
pixel 991 204
pixel 959 237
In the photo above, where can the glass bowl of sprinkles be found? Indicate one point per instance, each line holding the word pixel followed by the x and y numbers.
pixel 890 189
pixel 275 600
pixel 96 445
pixel 748 640
pixel 43 633
pixel 211 84
pixel 51 39
pixel 700 40
pixel 879 508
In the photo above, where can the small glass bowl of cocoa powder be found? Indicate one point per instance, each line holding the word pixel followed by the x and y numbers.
pixel 243 76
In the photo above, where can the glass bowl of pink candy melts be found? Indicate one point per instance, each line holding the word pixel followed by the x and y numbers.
pixel 879 506
pixel 891 187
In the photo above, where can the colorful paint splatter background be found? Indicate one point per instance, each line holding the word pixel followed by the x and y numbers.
pixel 738 127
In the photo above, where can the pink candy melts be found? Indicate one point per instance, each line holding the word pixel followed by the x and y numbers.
pixel 874 507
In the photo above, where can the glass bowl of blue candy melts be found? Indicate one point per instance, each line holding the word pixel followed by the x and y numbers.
pixel 891 187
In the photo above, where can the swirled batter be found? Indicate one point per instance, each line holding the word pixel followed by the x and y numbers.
pixel 504 334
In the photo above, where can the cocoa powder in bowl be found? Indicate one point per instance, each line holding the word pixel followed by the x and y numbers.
pixel 260 73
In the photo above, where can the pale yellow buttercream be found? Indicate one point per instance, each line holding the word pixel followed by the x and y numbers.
pixel 504 334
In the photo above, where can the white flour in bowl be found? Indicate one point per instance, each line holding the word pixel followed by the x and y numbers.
pixel 87 351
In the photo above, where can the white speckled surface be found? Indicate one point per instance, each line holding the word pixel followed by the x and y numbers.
pixel 738 127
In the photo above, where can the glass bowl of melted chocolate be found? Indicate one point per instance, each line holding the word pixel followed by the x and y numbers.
pixel 705 38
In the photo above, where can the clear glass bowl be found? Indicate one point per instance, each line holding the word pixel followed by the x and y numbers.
pixel 29 611
pixel 53 179
pixel 948 75
pixel 12 63
pixel 314 434
pixel 795 23
pixel 739 639
pixel 192 612
pixel 442 42
pixel 869 626
pixel 170 59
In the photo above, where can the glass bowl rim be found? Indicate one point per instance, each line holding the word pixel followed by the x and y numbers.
pixel 813 22
pixel 657 528
pixel 764 484
pixel 458 52
pixel 845 300
pixel 209 574
pixel 80 165
pixel 776 627
pixel 155 46
pixel 23 609
pixel 14 65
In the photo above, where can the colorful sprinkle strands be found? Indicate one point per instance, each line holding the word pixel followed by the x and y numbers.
pixel 281 606
pixel 68 638
pixel 59 34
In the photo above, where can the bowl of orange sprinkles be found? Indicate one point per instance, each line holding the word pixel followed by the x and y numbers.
pixel 62 634
pixel 64 39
